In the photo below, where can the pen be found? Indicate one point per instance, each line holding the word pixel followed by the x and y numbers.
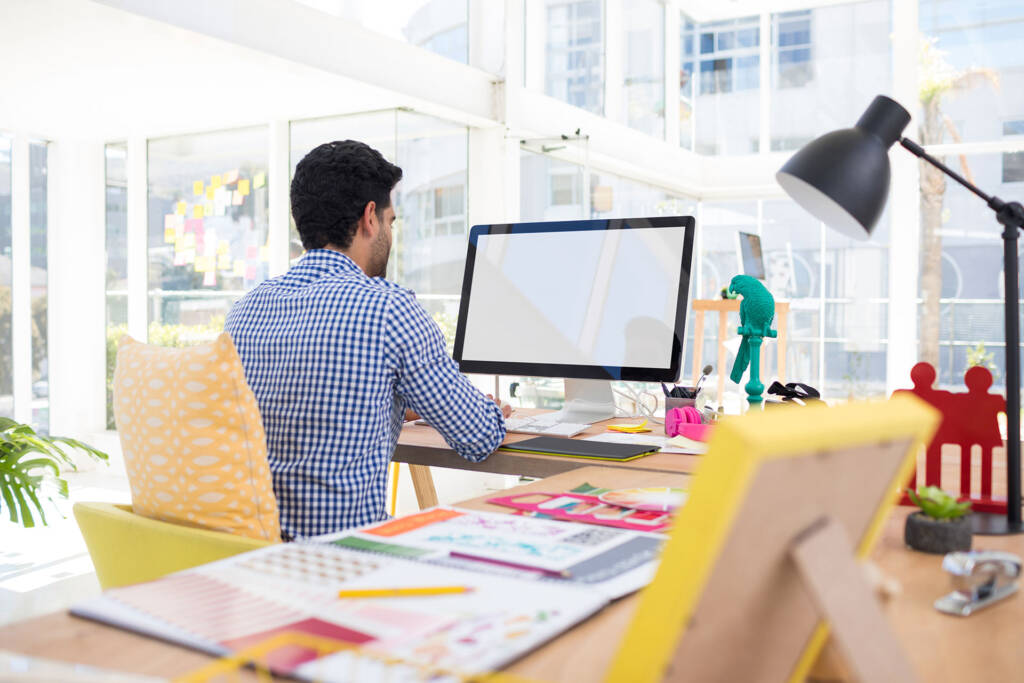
pixel 400 592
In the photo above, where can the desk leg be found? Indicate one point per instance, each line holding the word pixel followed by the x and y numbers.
pixel 423 484
pixel 698 343
pixel 783 324
pixel 723 323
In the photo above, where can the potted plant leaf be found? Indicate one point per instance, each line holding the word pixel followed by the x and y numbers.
pixel 30 465
pixel 941 525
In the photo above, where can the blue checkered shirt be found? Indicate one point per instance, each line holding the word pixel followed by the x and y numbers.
pixel 335 358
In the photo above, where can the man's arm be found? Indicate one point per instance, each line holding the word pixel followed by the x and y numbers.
pixel 431 385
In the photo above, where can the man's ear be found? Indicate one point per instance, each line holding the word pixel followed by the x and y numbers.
pixel 368 223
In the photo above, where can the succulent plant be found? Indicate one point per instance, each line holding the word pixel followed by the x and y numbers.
pixel 937 504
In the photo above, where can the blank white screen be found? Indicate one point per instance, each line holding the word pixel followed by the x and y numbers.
pixel 584 297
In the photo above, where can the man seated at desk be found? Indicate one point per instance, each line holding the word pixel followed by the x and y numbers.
pixel 336 354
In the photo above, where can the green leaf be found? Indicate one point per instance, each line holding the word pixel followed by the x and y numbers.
pixel 6 490
pixel 7 423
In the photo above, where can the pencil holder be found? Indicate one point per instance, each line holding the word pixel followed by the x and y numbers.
pixel 674 402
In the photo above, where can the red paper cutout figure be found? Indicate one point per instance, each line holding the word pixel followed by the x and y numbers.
pixel 967 419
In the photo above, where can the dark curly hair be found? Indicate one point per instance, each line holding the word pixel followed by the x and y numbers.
pixel 331 188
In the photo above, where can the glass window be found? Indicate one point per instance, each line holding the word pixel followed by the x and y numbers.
pixel 116 245
pixel 961 315
pixel 208 227
pixel 574 53
pixel 39 268
pixel 971 68
pixel 430 231
pixel 827 65
pixel 720 78
pixel 549 189
pixel 1013 162
pixel 687 40
pixel 644 69
pixel 6 280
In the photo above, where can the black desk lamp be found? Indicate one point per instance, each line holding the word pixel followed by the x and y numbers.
pixel 842 178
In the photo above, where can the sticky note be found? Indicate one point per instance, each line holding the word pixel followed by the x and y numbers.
pixel 193 225
pixel 169 221
pixel 190 240
pixel 210 192
pixel 223 247
pixel 224 262
pixel 203 264
pixel 170 234
pixel 208 208
pixel 252 253
pixel 197 211
pixel 215 181
pixel 210 279
pixel 197 187
pixel 264 253
pixel 180 208
pixel 237 198
pixel 243 186
pixel 239 270
pixel 189 256
pixel 231 177
pixel 250 273
pixel 179 247
pixel 260 179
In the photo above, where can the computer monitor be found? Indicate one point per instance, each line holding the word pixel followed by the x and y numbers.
pixel 748 251
pixel 583 300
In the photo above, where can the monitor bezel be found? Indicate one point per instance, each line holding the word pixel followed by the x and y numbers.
pixel 750 238
pixel 616 373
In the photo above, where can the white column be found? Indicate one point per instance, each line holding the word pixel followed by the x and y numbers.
pixel 535 41
pixel 904 209
pixel 487 176
pixel 137 254
pixel 278 184
pixel 76 236
pixel 614 62
pixel 765 70
pixel 672 67
pixel 21 274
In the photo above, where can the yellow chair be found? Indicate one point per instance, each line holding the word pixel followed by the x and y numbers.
pixel 128 548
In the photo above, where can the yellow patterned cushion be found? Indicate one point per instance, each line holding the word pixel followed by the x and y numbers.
pixel 192 438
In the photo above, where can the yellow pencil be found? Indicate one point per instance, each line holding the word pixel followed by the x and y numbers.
pixel 399 592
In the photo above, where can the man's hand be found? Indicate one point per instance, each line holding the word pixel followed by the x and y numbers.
pixel 506 409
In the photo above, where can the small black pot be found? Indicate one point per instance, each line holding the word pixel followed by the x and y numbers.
pixel 933 536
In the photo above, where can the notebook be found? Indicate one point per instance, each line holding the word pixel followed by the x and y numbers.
pixel 578 448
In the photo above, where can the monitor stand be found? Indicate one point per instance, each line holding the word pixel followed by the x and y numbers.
pixel 587 401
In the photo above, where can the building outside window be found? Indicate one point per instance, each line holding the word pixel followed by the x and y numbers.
pixel 1013 162
pixel 644 68
pixel 574 53
pixel 719 85
pixel 208 224
pixel 791 37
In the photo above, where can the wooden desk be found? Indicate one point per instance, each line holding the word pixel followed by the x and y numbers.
pixel 942 648
pixel 421 446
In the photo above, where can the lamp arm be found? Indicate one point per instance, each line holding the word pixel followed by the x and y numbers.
pixel 1009 213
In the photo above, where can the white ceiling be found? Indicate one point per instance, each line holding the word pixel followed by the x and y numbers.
pixel 75 68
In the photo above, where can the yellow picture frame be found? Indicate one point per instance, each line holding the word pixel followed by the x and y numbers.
pixel 739 450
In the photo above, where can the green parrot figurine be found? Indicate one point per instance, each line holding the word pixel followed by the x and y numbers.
pixel 757 311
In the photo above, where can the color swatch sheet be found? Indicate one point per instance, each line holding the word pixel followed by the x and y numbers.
pixel 614 562
pixel 236 603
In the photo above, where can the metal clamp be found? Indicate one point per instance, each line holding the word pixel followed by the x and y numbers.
pixel 980 578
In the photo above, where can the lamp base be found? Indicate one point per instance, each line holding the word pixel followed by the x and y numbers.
pixel 992 524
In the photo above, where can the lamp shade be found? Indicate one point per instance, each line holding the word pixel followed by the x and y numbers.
pixel 842 178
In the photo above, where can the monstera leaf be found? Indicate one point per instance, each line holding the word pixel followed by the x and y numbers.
pixel 28 461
